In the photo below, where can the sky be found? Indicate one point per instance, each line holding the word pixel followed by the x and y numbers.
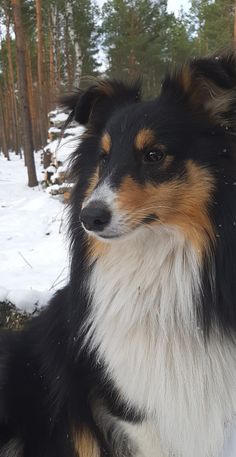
pixel 173 5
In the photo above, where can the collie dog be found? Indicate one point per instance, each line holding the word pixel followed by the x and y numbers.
pixel 136 357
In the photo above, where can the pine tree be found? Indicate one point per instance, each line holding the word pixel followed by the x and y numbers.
pixel 42 90
pixel 23 93
pixel 140 37
pixel 59 45
pixel 212 24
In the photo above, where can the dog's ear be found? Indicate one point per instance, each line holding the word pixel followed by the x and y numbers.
pixel 209 84
pixel 93 106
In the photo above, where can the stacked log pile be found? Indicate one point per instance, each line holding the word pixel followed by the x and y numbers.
pixel 56 154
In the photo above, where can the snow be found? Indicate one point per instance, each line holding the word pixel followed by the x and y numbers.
pixel 230 446
pixel 63 148
pixel 3 294
pixel 53 187
pixel 33 252
pixel 53 113
pixel 78 130
pixel 28 300
pixel 60 117
pixel 54 130
pixel 51 169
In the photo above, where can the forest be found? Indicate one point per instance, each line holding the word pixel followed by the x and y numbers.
pixel 49 47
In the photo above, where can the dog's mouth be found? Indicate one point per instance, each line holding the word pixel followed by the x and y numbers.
pixel 108 234
pixel 112 226
pixel 109 237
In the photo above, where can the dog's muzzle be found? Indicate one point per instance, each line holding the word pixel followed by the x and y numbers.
pixel 95 216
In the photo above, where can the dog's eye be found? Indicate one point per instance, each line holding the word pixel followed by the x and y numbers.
pixel 153 156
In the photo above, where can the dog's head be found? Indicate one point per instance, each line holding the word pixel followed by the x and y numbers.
pixel 153 163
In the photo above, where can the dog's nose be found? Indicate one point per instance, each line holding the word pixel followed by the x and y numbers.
pixel 95 216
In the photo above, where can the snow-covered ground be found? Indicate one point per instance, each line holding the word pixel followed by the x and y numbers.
pixel 33 251
pixel 230 448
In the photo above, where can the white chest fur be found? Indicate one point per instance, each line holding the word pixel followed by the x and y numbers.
pixel 143 323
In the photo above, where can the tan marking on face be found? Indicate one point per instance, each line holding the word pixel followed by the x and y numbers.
pixel 86 444
pixel 96 248
pixel 194 205
pixel 144 138
pixel 106 142
pixel 181 203
pixel 166 162
pixel 92 183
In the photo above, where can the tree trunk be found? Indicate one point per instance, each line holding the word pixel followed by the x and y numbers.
pixel 235 22
pixel 132 34
pixel 23 94
pixel 3 131
pixel 69 71
pixel 16 143
pixel 40 72
pixel 59 78
pixel 53 50
pixel 52 79
pixel 32 98
pixel 75 43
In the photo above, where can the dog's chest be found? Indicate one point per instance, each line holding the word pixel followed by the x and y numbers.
pixel 140 294
pixel 143 326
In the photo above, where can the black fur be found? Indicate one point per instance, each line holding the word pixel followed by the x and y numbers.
pixel 47 378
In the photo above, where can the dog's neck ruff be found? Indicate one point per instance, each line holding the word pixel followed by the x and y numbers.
pixel 143 324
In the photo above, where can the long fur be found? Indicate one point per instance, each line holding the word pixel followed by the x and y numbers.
pixel 136 356
pixel 144 327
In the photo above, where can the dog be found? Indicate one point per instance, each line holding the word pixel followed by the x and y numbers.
pixel 136 356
